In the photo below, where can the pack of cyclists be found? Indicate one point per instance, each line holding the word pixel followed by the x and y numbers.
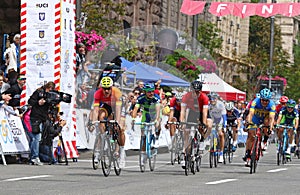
pixel 208 110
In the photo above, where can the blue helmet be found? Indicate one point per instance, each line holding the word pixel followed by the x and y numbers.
pixel 291 103
pixel 265 93
pixel 148 87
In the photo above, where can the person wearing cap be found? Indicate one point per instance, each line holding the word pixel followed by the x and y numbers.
pixel 12 54
pixel 15 91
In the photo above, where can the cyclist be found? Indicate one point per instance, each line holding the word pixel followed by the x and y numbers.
pixel 288 116
pixel 297 131
pixel 262 110
pixel 107 105
pixel 149 104
pixel 218 114
pixel 194 107
pixel 175 109
pixel 234 120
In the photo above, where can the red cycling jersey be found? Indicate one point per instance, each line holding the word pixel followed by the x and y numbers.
pixel 175 104
pixel 189 100
pixel 111 100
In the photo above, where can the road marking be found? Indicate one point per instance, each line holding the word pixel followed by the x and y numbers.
pixel 220 181
pixel 26 178
pixel 277 170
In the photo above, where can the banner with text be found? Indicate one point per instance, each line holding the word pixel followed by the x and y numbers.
pixel 242 10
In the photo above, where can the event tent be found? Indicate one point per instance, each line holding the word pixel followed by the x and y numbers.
pixel 213 83
pixel 148 73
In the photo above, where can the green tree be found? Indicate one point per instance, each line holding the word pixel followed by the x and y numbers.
pixel 259 50
pixel 103 16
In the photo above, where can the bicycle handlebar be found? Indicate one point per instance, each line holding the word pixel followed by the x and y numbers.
pixel 104 121
pixel 144 123
pixel 285 126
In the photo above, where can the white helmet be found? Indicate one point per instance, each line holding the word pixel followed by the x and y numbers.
pixel 229 106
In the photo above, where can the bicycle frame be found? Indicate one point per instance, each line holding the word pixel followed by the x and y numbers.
pixel 282 146
pixel 147 138
pixel 214 148
pixel 256 150
pixel 228 145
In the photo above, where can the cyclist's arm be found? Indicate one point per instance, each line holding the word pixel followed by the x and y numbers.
pixel 182 112
pixel 271 120
pixel 171 114
pixel 157 109
pixel 250 115
pixel 135 110
pixel 118 111
pixel 204 114
pixel 279 119
pixel 296 121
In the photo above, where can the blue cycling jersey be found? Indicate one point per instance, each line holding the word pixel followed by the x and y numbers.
pixel 260 112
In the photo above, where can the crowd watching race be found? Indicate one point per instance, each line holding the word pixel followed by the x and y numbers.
pixel 103 92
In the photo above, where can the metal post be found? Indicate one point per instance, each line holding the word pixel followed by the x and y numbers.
pixel 271 71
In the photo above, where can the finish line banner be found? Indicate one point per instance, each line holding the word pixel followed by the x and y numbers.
pixel 242 9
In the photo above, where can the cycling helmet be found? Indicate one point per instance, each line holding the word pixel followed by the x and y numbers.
pixel 283 99
pixel 148 87
pixel 168 94
pixel 179 95
pixel 213 96
pixel 106 82
pixel 229 106
pixel 265 93
pixel 291 103
pixel 197 85
pixel 257 95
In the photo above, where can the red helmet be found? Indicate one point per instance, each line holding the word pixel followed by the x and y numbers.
pixel 283 99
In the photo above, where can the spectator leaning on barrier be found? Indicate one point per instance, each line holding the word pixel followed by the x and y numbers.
pixel 15 91
pixel 38 116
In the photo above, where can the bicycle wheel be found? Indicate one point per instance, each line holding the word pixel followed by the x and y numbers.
pixel 192 157
pixel 116 161
pixel 198 163
pixel 211 158
pixel 187 164
pixel 174 150
pixel 216 157
pixel 106 157
pixel 279 153
pixel 253 157
pixel 142 155
pixel 152 158
pixel 179 147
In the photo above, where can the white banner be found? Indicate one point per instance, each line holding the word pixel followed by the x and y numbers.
pixel 13 137
pixel 39 43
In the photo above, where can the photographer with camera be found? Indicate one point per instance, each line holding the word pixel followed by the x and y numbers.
pixel 52 128
pixel 38 116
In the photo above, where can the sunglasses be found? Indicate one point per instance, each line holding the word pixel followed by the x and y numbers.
pixel 150 91
pixel 136 93
pixel 265 100
pixel 105 89
pixel 22 79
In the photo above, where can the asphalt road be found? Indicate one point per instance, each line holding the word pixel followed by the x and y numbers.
pixel 80 178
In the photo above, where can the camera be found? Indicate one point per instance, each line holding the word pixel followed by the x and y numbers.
pixel 54 97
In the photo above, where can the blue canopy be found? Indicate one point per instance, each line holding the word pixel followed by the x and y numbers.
pixel 148 73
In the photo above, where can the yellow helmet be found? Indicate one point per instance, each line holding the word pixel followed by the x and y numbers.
pixel 106 82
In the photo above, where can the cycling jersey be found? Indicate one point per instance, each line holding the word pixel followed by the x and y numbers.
pixel 217 111
pixel 147 107
pixel 111 101
pixel 188 101
pixel 232 117
pixel 260 112
pixel 176 106
pixel 288 118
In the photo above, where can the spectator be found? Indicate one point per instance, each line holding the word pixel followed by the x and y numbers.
pixel 38 116
pixel 80 56
pixel 139 87
pixel 3 85
pixel 15 91
pixel 52 129
pixel 83 74
pixel 12 54
pixel 81 97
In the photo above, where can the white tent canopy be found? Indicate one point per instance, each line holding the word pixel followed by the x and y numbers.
pixel 213 83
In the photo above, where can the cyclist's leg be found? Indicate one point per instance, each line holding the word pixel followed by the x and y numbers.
pixel 234 136
pixel 291 139
pixel 121 138
pixel 222 141
pixel 249 142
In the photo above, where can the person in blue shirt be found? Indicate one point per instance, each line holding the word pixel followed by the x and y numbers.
pixel 262 111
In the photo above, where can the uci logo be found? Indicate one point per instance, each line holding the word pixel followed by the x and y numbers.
pixel 41 5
